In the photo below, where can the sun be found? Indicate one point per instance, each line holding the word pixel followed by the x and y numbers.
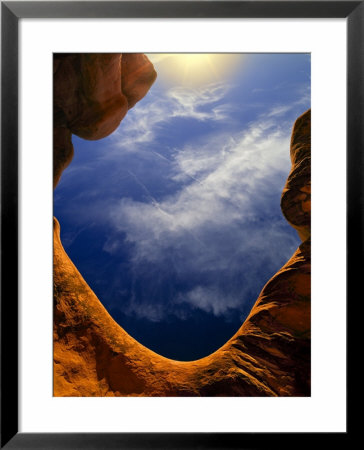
pixel 193 69
pixel 194 65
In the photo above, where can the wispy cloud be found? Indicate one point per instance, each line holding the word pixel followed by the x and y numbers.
pixel 217 225
pixel 304 98
pixel 192 102
pixel 210 300
pixel 193 220
pixel 141 125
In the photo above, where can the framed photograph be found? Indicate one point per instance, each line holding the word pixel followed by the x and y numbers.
pixel 171 223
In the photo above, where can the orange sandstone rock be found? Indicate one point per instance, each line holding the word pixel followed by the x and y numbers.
pixel 268 356
pixel 62 151
pixel 91 95
pixel 137 76
pixel 296 195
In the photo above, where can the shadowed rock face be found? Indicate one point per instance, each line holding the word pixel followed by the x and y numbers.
pixel 94 356
pixel 296 195
pixel 91 95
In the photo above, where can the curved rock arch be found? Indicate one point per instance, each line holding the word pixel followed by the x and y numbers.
pixel 94 356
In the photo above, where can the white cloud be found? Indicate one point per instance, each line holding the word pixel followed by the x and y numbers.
pixel 228 190
pixel 188 102
pixel 142 124
pixel 209 241
pixel 213 225
pixel 210 300
pixel 279 110
pixel 304 99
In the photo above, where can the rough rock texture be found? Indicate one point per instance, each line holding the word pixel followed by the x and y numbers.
pixel 296 196
pixel 91 95
pixel 268 356
pixel 137 76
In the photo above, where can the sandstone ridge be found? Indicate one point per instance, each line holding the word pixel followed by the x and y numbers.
pixel 93 355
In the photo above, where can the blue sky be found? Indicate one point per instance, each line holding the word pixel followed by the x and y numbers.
pixel 174 220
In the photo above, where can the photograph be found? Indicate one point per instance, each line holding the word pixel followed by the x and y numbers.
pixel 182 224
pixel 156 228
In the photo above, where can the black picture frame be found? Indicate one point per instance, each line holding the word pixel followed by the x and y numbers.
pixel 11 12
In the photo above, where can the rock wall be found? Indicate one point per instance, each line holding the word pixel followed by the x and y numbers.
pixel 93 355
pixel 91 95
pixel 296 195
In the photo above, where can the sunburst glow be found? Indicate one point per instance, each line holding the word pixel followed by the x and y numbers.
pixel 194 68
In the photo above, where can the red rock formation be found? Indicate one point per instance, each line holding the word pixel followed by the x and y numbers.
pixel 62 151
pixel 268 356
pixel 91 95
pixel 296 196
pixel 137 76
